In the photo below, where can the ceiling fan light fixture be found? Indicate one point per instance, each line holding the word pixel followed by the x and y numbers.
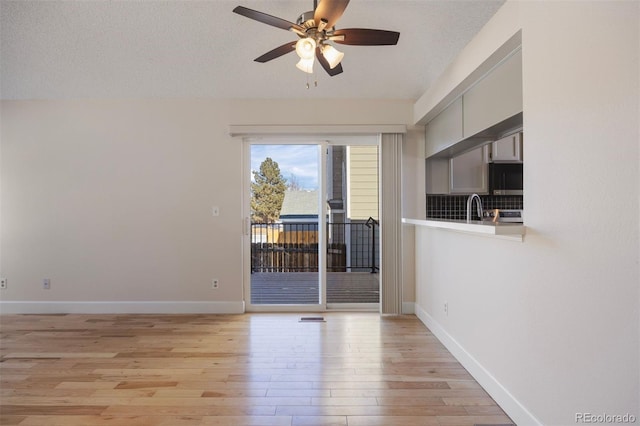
pixel 315 29
pixel 332 55
pixel 305 48
pixel 305 65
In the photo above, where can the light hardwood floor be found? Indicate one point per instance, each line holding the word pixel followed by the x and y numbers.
pixel 255 369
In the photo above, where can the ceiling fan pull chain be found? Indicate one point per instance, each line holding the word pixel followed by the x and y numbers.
pixel 315 80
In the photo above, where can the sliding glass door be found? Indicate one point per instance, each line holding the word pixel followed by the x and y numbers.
pixel 311 226
pixel 285 226
pixel 352 228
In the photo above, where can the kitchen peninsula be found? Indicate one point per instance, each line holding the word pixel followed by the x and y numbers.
pixel 513 231
pixel 474 150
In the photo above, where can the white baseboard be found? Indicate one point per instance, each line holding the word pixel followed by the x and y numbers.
pixel 514 409
pixel 39 307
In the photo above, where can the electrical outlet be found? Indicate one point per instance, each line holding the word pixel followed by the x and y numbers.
pixel 46 284
pixel 446 308
pixel 3 283
pixel 215 283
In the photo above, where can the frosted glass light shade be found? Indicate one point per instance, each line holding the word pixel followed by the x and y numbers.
pixel 306 48
pixel 332 55
pixel 305 65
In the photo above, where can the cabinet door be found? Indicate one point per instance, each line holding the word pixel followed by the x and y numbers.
pixel 495 98
pixel 469 172
pixel 437 175
pixel 507 149
pixel 445 129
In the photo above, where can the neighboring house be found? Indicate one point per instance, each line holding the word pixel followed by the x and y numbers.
pixel 353 187
pixel 299 207
pixel 362 182
pixel 299 217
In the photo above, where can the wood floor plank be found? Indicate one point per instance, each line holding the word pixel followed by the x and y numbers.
pixel 220 392
pixel 355 369
pixel 316 393
pixel 411 393
pixel 469 401
pixel 393 420
pixel 47 393
pixel 182 410
pixel 246 421
pixel 51 410
pixel 319 421
pixel 11 420
pixel 82 420
pixel 146 384
pixel 369 410
pixel 474 420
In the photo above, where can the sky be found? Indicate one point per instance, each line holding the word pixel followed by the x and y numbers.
pixel 300 161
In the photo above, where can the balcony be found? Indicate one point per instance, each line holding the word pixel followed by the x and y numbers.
pixel 284 262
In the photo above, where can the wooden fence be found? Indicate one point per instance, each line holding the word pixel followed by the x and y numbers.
pixel 288 257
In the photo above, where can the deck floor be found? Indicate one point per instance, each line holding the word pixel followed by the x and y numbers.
pixel 301 288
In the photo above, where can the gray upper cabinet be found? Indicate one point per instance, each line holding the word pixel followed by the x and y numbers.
pixel 487 110
pixel 445 129
pixel 468 172
pixel 507 149
pixel 437 175
pixel 495 98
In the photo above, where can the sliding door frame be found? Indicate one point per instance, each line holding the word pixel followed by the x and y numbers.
pixel 246 213
pixel 340 135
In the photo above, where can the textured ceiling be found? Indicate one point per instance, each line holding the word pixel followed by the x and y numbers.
pixel 176 49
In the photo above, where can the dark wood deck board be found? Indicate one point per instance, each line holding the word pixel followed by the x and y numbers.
pixel 302 287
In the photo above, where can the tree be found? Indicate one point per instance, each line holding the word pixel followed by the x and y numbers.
pixel 267 192
pixel 293 183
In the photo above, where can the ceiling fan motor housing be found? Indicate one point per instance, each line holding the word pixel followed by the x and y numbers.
pixel 316 31
pixel 306 20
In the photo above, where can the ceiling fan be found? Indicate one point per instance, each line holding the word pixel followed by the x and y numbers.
pixel 315 30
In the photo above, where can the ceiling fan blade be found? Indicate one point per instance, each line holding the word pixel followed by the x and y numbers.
pixel 365 37
pixel 267 19
pixel 325 64
pixel 277 52
pixel 330 11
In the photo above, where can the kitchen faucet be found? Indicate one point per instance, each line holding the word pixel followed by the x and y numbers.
pixel 470 203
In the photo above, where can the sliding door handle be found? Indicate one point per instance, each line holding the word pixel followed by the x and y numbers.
pixel 247 226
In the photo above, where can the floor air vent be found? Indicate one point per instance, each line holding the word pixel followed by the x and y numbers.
pixel 312 319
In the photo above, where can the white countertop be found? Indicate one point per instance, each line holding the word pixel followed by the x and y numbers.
pixel 488 228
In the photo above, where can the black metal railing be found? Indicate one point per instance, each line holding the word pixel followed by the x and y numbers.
pixel 293 247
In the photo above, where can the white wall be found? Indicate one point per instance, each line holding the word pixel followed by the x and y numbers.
pixel 112 199
pixel 552 324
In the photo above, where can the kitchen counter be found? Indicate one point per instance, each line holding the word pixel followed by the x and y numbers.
pixel 512 231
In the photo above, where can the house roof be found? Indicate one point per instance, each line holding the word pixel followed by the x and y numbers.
pixel 183 49
pixel 298 204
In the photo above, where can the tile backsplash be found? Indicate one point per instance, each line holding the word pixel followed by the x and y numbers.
pixel 455 206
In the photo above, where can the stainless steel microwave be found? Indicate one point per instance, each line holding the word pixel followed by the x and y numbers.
pixel 505 178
